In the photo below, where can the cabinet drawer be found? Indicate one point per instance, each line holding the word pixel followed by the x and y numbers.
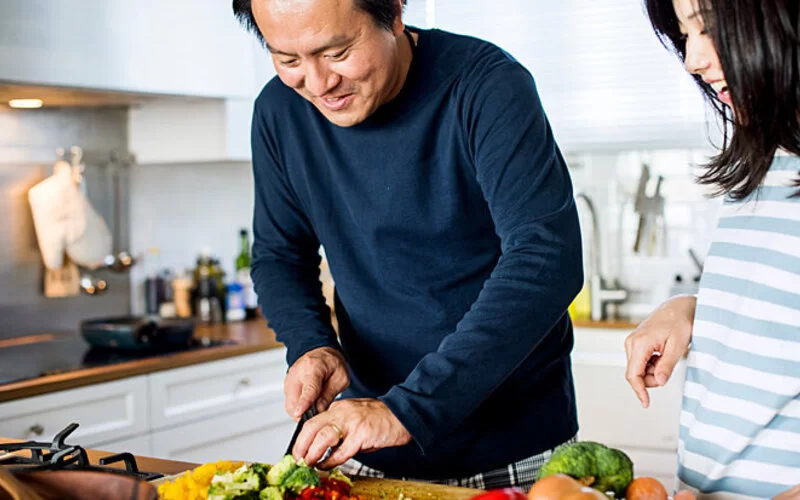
pixel 105 412
pixel 257 434
pixel 194 392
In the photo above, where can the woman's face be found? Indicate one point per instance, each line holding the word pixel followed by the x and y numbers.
pixel 701 55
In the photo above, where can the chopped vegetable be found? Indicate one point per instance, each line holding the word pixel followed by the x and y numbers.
pixel 271 493
pixel 194 485
pixel 279 472
pixel 301 478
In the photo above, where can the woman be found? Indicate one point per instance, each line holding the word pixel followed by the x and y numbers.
pixel 740 424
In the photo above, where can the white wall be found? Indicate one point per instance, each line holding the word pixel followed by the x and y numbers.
pixel 182 208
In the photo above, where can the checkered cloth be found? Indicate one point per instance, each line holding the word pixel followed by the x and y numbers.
pixel 520 474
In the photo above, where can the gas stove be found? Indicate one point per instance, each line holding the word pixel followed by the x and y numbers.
pixel 32 456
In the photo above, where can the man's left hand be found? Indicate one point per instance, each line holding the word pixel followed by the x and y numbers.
pixel 349 426
pixel 793 494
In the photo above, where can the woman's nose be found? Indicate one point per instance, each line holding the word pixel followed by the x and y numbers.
pixel 699 54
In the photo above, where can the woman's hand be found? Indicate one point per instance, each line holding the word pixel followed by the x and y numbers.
pixel 657 344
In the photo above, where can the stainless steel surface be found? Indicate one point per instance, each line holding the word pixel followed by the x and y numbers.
pixel 601 294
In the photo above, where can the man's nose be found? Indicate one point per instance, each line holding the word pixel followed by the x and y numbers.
pixel 319 79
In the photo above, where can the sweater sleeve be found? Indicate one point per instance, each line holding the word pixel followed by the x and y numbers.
pixel 285 263
pixel 527 187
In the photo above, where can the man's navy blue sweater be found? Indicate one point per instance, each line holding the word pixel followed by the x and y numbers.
pixel 449 224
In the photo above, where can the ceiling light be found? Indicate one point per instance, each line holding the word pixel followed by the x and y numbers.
pixel 25 103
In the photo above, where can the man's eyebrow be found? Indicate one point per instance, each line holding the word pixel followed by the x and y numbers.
pixel 336 41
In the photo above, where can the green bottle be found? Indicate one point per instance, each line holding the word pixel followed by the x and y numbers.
pixel 243 276
pixel 243 259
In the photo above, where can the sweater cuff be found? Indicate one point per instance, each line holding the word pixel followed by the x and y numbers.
pixel 296 348
pixel 398 403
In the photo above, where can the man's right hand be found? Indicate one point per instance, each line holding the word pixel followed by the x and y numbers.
pixel 657 344
pixel 317 376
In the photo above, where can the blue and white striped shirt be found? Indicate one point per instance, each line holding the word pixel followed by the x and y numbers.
pixel 740 424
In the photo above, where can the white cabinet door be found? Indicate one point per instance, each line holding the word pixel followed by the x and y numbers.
pixel 610 413
pixel 260 433
pixel 185 47
pixel 105 412
pixel 220 387
pixel 608 410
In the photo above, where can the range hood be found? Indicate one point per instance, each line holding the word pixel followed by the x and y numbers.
pixel 53 96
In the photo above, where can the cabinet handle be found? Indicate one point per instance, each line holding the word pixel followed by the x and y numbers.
pixel 36 430
pixel 245 382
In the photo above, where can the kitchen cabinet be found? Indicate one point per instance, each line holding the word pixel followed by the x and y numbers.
pixel 260 433
pixel 227 409
pixel 224 387
pixel 604 79
pixel 106 412
pixel 218 130
pixel 610 413
pixel 180 47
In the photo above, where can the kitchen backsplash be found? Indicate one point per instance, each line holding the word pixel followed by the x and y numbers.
pixel 28 141
pixel 611 180
pixel 180 209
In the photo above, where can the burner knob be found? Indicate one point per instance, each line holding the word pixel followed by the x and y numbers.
pixel 36 430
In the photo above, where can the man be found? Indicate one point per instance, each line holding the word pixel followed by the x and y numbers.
pixel 424 164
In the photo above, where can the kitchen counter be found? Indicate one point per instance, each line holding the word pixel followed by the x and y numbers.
pixel 247 336
pixel 367 487
pixel 613 324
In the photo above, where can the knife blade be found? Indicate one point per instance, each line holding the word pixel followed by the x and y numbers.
pixel 311 412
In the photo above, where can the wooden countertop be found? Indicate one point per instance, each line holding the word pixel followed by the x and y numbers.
pixel 369 488
pixel 250 336
pixel 610 324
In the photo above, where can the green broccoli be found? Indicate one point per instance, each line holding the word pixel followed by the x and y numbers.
pixel 614 471
pixel 338 475
pixel 271 493
pixel 279 472
pixel 301 478
pixel 576 460
pixel 241 484
pixel 222 491
pixel 593 464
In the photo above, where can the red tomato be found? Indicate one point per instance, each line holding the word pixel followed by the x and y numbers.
pixel 502 494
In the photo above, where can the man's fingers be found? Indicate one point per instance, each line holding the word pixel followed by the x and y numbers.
pixel 326 437
pixel 292 387
pixel 308 396
pixel 341 454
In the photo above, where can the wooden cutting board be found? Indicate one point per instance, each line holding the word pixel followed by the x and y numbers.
pixel 390 489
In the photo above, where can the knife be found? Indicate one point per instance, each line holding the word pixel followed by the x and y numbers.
pixel 312 411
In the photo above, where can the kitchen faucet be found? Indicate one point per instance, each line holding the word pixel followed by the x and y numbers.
pixel 599 293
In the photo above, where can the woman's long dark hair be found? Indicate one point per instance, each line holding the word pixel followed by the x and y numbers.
pixel 759 50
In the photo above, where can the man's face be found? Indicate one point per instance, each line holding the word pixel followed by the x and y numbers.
pixel 333 54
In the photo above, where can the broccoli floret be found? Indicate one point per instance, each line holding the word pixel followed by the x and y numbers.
pixel 301 478
pixel 222 491
pixel 338 475
pixel 261 470
pixel 279 472
pixel 593 464
pixel 576 460
pixel 614 471
pixel 241 484
pixel 271 493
